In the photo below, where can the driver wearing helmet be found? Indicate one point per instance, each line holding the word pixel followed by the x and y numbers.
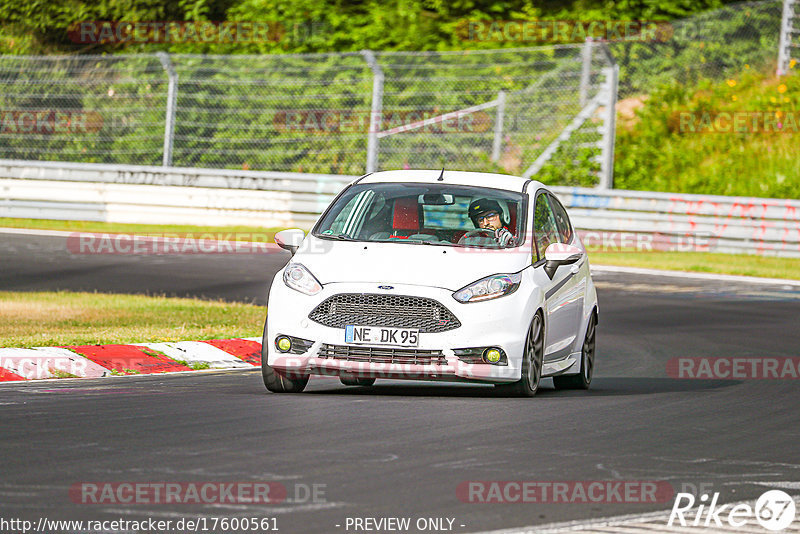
pixel 488 215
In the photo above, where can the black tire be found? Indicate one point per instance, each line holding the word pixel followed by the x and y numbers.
pixel 277 381
pixel 583 379
pixel 365 382
pixel 532 362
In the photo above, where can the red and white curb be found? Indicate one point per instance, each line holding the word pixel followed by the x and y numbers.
pixel 96 361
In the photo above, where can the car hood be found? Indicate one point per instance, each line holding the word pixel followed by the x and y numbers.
pixel 402 263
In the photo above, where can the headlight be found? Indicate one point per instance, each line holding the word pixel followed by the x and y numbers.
pixel 300 279
pixel 491 287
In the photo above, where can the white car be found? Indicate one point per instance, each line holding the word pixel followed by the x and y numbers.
pixel 397 280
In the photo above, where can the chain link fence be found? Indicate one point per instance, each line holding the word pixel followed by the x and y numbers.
pixel 709 46
pixel 328 113
pixel 545 110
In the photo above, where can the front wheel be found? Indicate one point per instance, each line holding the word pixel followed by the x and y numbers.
pixel 532 362
pixel 278 381
pixel 281 382
pixel 583 379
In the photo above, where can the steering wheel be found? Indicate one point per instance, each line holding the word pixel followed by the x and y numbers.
pixel 480 232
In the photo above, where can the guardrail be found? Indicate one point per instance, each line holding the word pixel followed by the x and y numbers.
pixel 743 225
pixel 610 218
pixel 163 195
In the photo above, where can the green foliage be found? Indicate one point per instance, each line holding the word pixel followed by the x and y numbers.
pixel 706 46
pixel 670 145
pixel 42 26
pixel 571 167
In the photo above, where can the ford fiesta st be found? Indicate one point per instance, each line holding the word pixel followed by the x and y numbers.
pixel 434 275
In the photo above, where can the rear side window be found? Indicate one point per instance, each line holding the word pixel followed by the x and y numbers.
pixel 562 220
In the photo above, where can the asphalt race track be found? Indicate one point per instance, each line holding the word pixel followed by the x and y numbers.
pixel 44 263
pixel 401 449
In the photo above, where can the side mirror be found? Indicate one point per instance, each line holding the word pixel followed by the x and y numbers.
pixel 558 254
pixel 290 239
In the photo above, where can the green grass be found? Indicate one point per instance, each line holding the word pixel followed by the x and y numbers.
pixel 197 366
pixel 141 229
pixel 67 318
pixel 703 262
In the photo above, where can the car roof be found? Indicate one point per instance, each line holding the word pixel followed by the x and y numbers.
pixel 481 179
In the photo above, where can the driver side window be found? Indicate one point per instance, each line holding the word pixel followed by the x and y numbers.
pixel 545 230
pixel 350 219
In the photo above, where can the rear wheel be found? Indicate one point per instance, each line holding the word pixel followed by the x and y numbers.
pixel 532 361
pixel 357 381
pixel 583 379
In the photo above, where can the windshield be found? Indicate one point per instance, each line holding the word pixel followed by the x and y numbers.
pixel 434 214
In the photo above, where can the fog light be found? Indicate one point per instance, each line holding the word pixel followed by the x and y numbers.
pixel 492 355
pixel 283 343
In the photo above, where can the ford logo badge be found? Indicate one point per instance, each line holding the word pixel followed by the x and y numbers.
pixel 385 287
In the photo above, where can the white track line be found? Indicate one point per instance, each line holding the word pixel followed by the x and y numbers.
pixel 32 231
pixel 696 276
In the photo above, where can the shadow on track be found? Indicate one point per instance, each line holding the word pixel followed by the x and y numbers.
pixel 601 387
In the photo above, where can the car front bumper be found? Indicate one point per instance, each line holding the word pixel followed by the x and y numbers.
pixel 501 322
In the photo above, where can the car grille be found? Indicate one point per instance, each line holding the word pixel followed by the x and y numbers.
pixel 396 311
pixel 382 355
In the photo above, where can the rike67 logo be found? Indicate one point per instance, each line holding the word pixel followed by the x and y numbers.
pixel 774 510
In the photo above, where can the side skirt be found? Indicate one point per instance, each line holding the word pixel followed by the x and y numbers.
pixel 569 365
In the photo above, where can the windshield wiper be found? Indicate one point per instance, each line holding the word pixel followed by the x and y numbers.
pixel 409 241
pixel 341 237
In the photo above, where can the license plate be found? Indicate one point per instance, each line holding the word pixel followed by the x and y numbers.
pixel 380 335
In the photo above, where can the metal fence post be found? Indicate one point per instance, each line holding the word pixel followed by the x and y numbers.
pixel 586 71
pixel 609 121
pixel 172 99
pixel 609 128
pixel 497 145
pixel 784 48
pixel 375 121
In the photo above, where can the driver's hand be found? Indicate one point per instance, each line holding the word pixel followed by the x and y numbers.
pixel 504 237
